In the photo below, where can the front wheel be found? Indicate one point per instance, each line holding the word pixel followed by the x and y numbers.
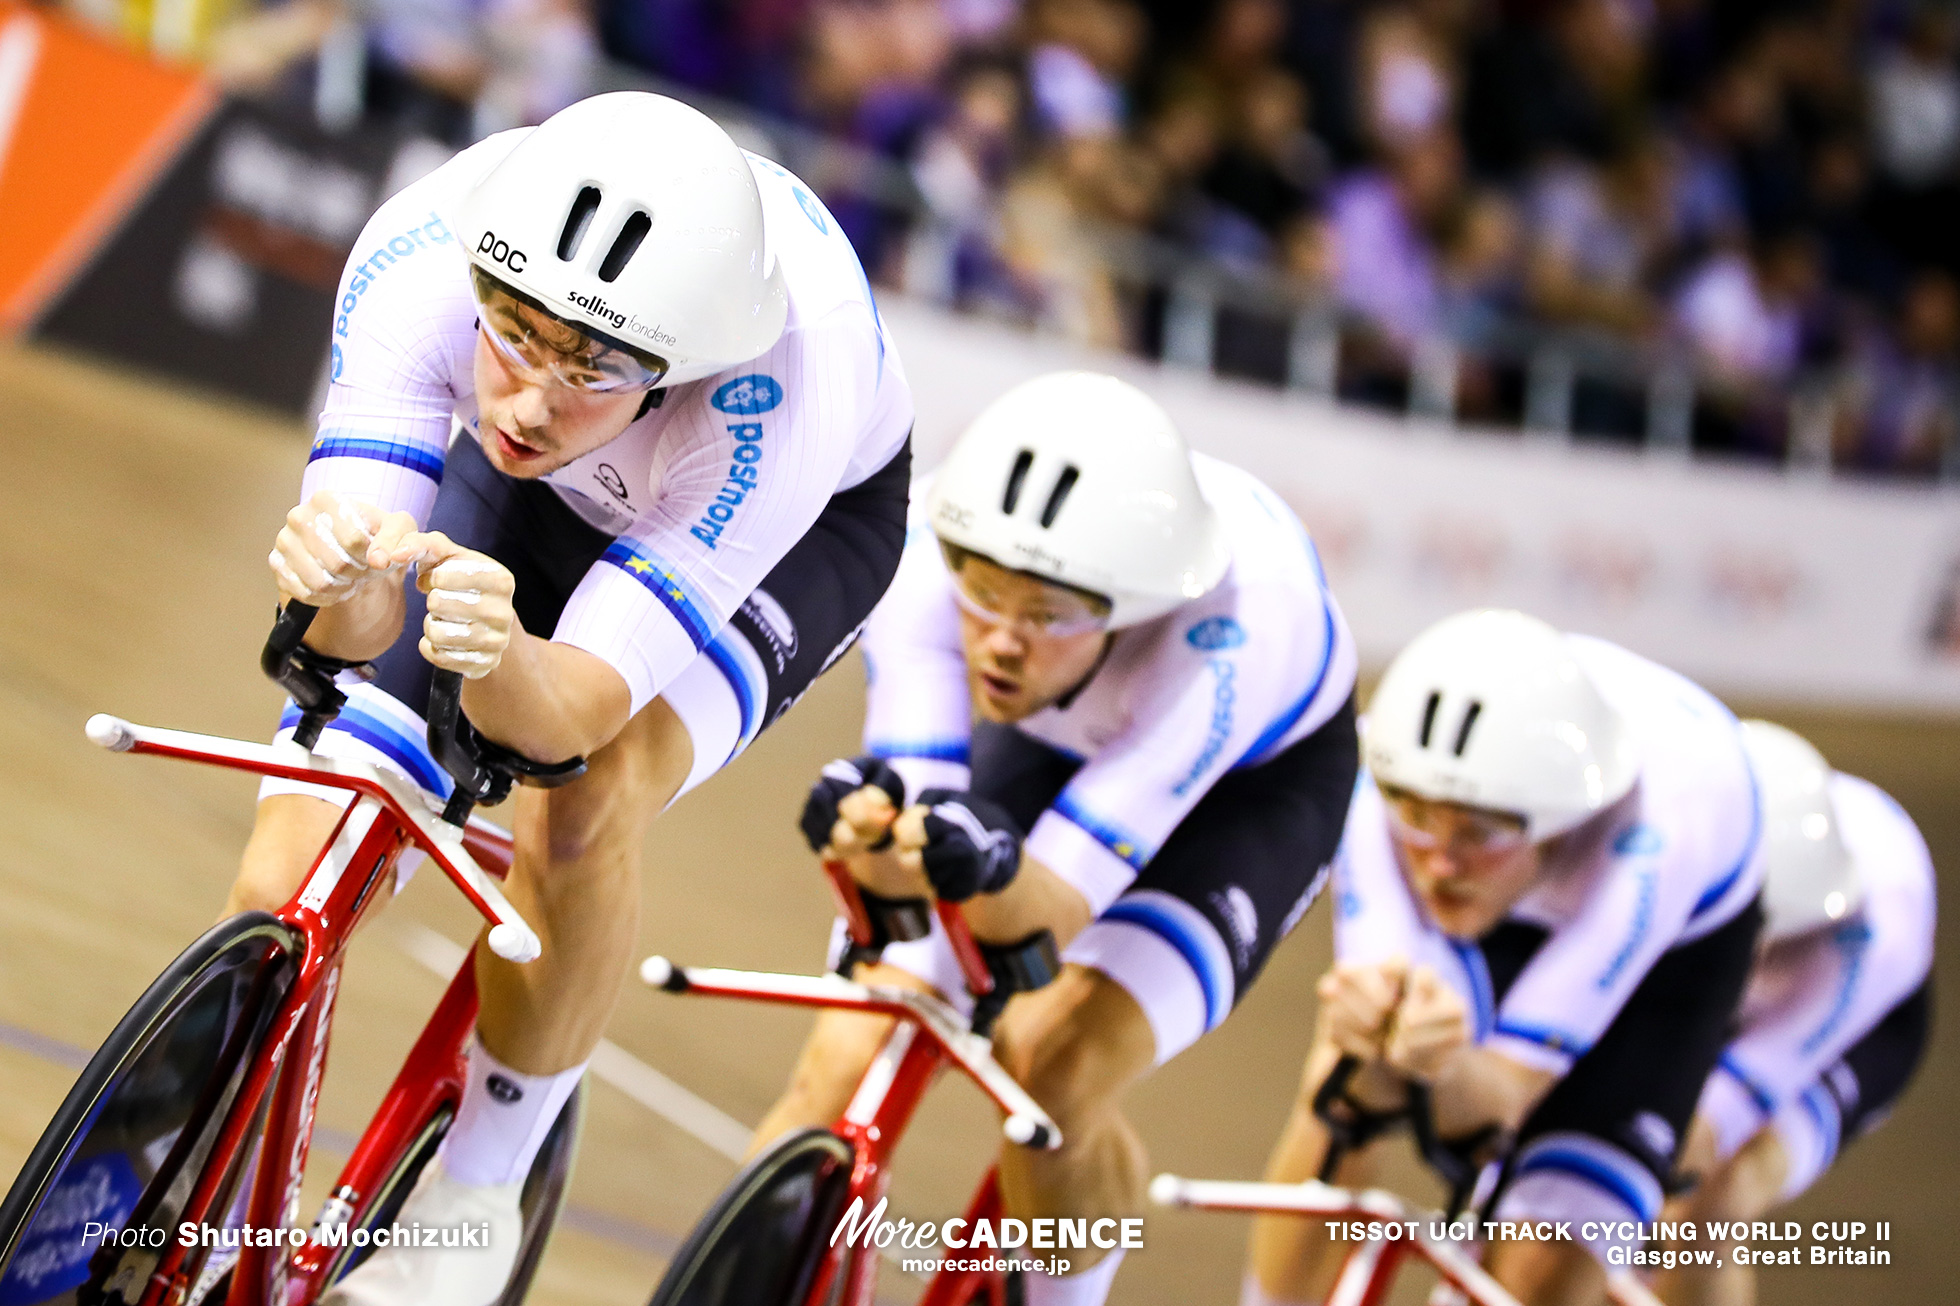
pixel 136 1130
pixel 764 1239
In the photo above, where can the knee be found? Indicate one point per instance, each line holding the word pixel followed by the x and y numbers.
pixel 1067 1059
pixel 253 891
pixel 625 785
pixel 1544 1274
pixel 605 809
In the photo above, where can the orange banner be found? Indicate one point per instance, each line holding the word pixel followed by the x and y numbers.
pixel 85 128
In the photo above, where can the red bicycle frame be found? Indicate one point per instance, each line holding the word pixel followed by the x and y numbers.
pixel 928 1036
pixel 386 817
pixel 1370 1269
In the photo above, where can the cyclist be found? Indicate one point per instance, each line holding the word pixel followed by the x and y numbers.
pixel 675 490
pixel 1544 911
pixel 1129 652
pixel 1838 1009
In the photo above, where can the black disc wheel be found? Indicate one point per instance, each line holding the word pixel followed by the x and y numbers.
pixel 764 1238
pixel 543 1196
pixel 136 1130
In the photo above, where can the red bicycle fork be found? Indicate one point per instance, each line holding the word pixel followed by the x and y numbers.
pixel 291 1065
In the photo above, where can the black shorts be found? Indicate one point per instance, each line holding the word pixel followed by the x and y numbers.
pixel 1191 933
pixel 1618 1117
pixel 1866 1083
pixel 803 616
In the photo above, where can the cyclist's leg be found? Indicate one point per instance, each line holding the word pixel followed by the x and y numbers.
pixel 287 835
pixel 1742 1187
pixel 1601 1147
pixel 1291 1259
pixel 1749 1167
pixel 834 1059
pixel 1162 965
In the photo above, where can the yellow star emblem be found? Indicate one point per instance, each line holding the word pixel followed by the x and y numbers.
pixel 640 566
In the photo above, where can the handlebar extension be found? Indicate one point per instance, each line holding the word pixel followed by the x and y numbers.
pixel 482 769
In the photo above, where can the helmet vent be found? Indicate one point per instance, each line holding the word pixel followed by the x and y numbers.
pixel 1470 716
pixel 577 221
pixel 1059 495
pixel 1429 718
pixel 625 245
pixel 1019 474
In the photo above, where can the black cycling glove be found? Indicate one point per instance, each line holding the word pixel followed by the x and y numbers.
pixel 838 779
pixel 972 845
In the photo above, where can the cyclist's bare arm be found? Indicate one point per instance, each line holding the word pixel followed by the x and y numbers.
pixel 1478 1087
pixel 1037 899
pixel 1291 1256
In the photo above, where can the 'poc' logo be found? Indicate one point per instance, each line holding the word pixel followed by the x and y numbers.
pixel 499 251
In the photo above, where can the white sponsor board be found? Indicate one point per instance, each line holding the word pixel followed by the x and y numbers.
pixel 1760 583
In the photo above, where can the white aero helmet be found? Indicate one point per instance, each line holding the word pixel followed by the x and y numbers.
pixel 1809 878
pixel 635 217
pixel 1083 479
pixel 1491 709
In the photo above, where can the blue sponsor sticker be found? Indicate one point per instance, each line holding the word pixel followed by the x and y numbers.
pixel 1215 633
pixel 754 393
pixel 811 209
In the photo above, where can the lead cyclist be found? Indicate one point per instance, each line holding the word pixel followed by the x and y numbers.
pixel 615 396
pixel 1130 653
pixel 1544 913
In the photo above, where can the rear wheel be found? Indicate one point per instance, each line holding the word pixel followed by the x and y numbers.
pixel 130 1140
pixel 765 1237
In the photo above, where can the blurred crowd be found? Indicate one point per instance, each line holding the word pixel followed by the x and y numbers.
pixel 1763 188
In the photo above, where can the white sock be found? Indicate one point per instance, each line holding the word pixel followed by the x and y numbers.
pixel 1251 1294
pixel 1089 1288
pixel 503 1119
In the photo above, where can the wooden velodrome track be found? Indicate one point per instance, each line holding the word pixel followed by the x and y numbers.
pixel 134 521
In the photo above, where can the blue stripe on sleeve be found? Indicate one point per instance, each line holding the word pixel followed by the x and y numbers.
pixel 665 584
pixel 1557 1040
pixel 1472 958
pixel 416 458
pixel 1142 913
pixel 1287 719
pixel 1129 848
pixel 1764 1099
pixel 746 695
pixel 937 750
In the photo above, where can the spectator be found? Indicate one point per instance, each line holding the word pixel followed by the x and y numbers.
pixel 1385 226
pixel 1056 223
pixel 1745 315
pixel 1408 82
pixel 960 169
pixel 1600 235
pixel 1271 168
pixel 1083 55
pixel 453 69
pixel 1567 83
pixel 1915 120
pixel 1906 385
pixel 1915 97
